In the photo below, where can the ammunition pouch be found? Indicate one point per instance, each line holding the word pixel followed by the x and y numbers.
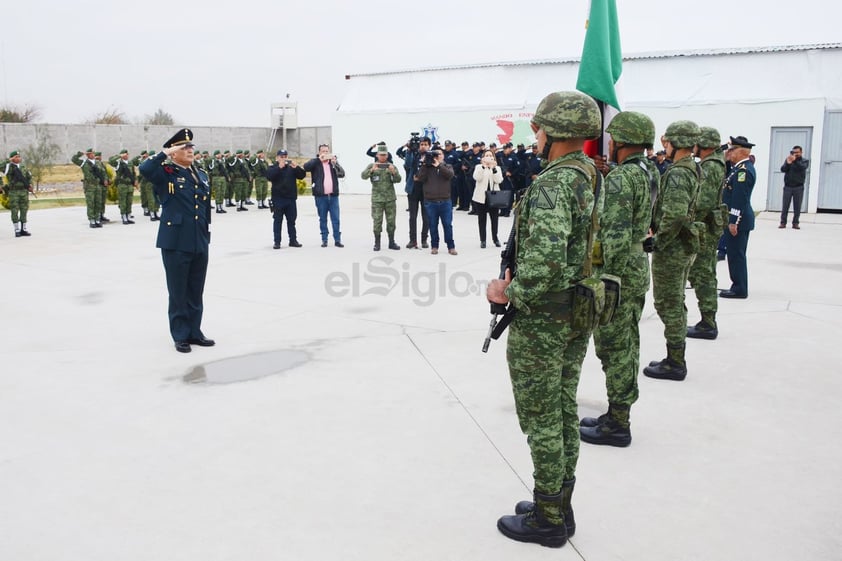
pixel 588 304
pixel 613 285
pixel 691 236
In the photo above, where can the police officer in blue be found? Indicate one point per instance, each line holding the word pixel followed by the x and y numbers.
pixel 183 235
pixel 737 198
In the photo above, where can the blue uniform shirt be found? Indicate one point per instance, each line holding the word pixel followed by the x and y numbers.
pixel 185 204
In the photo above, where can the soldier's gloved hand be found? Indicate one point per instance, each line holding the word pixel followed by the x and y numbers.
pixel 649 245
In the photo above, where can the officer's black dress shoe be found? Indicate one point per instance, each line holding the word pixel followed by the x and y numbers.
pixel 182 346
pixel 324 244
pixel 276 246
pixel 338 244
pixel 731 294
pixel 203 342
pixel 294 244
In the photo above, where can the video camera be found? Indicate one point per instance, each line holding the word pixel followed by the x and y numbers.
pixel 430 157
pixel 414 141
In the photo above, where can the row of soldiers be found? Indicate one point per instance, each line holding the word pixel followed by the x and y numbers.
pixel 234 176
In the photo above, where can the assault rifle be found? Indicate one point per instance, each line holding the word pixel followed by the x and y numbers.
pixel 506 312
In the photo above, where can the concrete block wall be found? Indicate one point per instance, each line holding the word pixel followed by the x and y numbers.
pixel 110 139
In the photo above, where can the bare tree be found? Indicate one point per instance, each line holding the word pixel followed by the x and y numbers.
pixel 38 157
pixel 160 117
pixel 111 116
pixel 17 114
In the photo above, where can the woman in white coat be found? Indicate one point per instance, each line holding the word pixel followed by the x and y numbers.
pixel 488 176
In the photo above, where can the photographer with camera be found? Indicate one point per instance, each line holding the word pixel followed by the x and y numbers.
pixel 325 173
pixel 795 175
pixel 413 154
pixel 374 150
pixel 435 176
pixel 283 175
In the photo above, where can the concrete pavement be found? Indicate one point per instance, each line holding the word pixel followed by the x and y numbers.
pixel 384 433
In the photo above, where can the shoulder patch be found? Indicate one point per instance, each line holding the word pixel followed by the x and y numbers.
pixel 545 199
pixel 741 176
pixel 615 184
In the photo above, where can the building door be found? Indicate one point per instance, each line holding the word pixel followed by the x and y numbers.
pixel 783 139
pixel 830 180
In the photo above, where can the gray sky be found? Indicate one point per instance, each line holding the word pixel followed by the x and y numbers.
pixel 223 63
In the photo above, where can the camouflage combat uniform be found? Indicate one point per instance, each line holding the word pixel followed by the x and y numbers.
pixel 92 178
pixel 126 180
pixel 702 274
pixel 219 178
pixel 18 186
pixel 261 185
pixel 674 252
pixel 383 199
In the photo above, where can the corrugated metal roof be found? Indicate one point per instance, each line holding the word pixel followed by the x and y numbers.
pixel 635 56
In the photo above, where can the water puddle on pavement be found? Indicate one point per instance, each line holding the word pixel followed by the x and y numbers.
pixel 246 367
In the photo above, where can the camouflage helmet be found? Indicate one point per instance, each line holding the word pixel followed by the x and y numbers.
pixel 709 138
pixel 565 115
pixel 630 127
pixel 682 134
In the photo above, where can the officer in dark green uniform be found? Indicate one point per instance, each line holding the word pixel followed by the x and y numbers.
pixel 183 235
pixel 18 188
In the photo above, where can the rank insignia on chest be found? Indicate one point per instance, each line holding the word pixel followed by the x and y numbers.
pixel 741 176
pixel 180 180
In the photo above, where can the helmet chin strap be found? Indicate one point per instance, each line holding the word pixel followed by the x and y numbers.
pixel 617 146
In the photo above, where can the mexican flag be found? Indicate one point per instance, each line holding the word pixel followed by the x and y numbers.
pixel 601 65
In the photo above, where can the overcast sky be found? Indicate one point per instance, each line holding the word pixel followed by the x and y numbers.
pixel 224 63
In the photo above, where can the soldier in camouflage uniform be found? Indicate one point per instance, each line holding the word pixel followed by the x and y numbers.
pixel 631 187
pixel 250 185
pixel 93 177
pixel 676 242
pixel 708 210
pixel 383 177
pixel 544 352
pixel 240 178
pixel 144 200
pixel 229 192
pixel 18 187
pixel 103 187
pixel 261 185
pixel 219 178
pixel 125 177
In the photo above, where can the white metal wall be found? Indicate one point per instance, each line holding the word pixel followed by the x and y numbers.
pixel 830 186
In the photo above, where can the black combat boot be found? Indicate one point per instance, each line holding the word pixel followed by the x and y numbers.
pixel 145 212
pixel 392 244
pixel 228 203
pixel 594 421
pixel 673 367
pixel 611 431
pixel 705 329
pixel 154 217
pixel 377 242
pixel 524 507
pixel 544 524
pixel 23 231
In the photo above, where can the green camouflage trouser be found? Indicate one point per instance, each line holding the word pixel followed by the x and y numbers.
pixel 618 347
pixel 702 274
pixel 18 204
pixel 545 358
pixel 125 194
pixel 93 201
pixel 378 210
pixel 669 276
pixel 144 195
pixel 103 195
pixel 220 189
pixel 261 187
pixel 151 200
pixel 241 188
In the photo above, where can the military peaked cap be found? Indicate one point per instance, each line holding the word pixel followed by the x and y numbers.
pixel 183 137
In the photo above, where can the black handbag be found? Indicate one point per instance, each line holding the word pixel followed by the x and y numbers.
pixel 498 199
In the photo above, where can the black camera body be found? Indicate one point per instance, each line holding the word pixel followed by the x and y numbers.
pixel 414 141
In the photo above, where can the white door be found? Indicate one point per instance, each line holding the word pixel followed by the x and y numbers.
pixel 783 139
